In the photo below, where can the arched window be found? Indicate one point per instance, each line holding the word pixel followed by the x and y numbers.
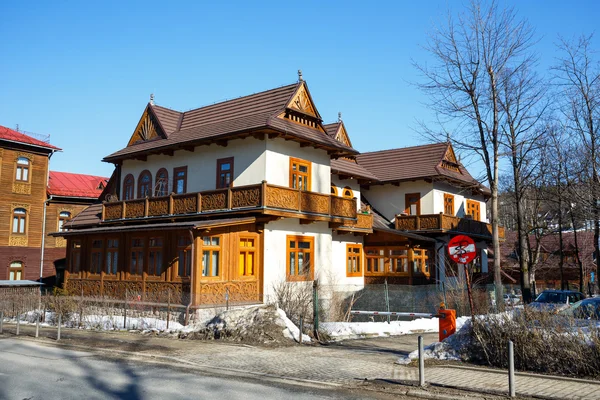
pixel 128 187
pixel 161 185
pixel 144 184
pixel 22 171
pixel 15 271
pixel 333 190
pixel 348 193
pixel 19 220
pixel 63 218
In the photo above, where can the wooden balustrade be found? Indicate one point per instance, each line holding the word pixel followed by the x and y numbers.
pixel 244 197
pixel 443 222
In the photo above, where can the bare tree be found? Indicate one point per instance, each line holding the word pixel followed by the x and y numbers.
pixel 473 56
pixel 577 76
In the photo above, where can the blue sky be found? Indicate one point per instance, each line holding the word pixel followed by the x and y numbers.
pixel 83 71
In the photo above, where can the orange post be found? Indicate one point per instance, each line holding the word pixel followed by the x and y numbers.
pixel 447 323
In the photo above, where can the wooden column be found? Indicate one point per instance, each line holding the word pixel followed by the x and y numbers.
pixel 411 258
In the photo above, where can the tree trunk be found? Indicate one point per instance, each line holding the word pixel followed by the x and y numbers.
pixel 561 259
pixel 521 228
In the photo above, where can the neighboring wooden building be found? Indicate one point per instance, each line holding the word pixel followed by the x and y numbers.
pixel 229 200
pixel 28 191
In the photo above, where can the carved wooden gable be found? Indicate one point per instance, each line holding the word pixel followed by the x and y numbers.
pixel 449 160
pixel 302 102
pixel 342 136
pixel 147 129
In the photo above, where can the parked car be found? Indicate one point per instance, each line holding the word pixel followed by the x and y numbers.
pixel 556 300
pixel 584 309
pixel 511 299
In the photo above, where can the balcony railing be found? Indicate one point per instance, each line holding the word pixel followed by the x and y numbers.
pixel 445 223
pixel 363 222
pixel 260 197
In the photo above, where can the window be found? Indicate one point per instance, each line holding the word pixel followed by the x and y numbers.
pixel 144 184
pixel 19 220
pixel 333 190
pixel 412 203
pixel 15 272
pixel 448 204
pixel 112 256
pixel 128 187
pixel 224 173
pixel 75 256
pixel 136 262
pixel 353 260
pixel 161 185
pixel 247 257
pixel 299 174
pixel 211 250
pixel 96 256
pixel 399 260
pixel 155 256
pixel 180 180
pixel 348 193
pixel 63 217
pixel 184 256
pixel 375 261
pixel 300 258
pixel 420 264
pixel 22 170
pixel 473 209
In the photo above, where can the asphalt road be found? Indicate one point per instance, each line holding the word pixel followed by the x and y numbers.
pixel 32 371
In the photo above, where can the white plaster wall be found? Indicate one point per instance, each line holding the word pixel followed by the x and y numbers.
pixel 351 183
pixel 389 199
pixel 275 257
pixel 249 164
pixel 338 276
pixel 460 200
pixel 278 156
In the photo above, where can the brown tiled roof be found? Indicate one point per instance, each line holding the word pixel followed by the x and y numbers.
pixel 90 216
pixel 351 168
pixel 418 162
pixel 228 118
pixel 332 129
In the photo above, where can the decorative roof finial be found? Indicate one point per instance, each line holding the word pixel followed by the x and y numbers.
pixel 151 99
pixel 447 137
pixel 300 76
pixel 339 116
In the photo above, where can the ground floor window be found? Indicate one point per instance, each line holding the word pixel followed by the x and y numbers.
pixel 112 256
pixel 375 260
pixel 184 256
pixel 420 261
pixel 300 259
pixel 136 261
pixel 247 256
pixel 395 260
pixel 399 260
pixel 96 256
pixel 155 256
pixel 211 250
pixel 353 260
pixel 15 272
pixel 75 256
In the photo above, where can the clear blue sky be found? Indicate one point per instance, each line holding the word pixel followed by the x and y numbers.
pixel 83 71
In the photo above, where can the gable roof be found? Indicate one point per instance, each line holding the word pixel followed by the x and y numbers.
pixel 18 137
pixel 428 161
pixel 230 118
pixel 67 184
pixel 337 131
pixel 351 169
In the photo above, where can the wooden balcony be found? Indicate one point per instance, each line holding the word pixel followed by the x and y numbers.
pixel 265 198
pixel 445 223
pixel 364 223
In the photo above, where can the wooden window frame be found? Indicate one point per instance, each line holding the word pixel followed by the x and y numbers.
pixel 186 250
pixel 75 257
pixel 62 220
pixel 377 257
pixel 246 251
pixel 448 204
pixel 111 253
pixel 420 257
pixel 475 206
pixel 220 163
pixel 129 274
pixel 352 255
pixel 22 168
pixel 347 192
pixel 210 248
pixel 145 173
pixel 389 260
pixel 407 204
pixel 294 181
pixel 16 221
pixel 392 257
pixel 297 277
pixel 334 191
pixel 158 185
pixel 129 187
pixel 98 252
pixel 176 179
pixel 156 270
pixel 20 269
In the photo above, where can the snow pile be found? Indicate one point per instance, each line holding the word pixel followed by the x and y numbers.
pixel 354 330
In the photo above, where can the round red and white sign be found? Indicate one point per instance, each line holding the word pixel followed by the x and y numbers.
pixel 462 249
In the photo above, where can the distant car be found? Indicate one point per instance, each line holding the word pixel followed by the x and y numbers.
pixel 511 299
pixel 585 309
pixel 556 300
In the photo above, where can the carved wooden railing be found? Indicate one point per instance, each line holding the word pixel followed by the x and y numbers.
pixel 243 197
pixel 443 222
pixel 363 221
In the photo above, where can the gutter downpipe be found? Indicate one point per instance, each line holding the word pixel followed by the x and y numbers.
pixel 44 218
pixel 187 309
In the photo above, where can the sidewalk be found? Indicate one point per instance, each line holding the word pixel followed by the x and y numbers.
pixel 349 363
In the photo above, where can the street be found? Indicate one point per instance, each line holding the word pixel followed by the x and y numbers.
pixel 29 370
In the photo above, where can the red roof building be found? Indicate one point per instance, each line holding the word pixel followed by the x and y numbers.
pixel 18 137
pixel 66 184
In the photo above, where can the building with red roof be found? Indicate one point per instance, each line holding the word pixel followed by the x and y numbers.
pixel 35 202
